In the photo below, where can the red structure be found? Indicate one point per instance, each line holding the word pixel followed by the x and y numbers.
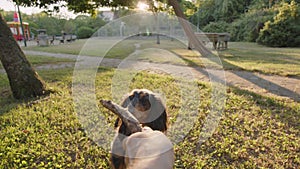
pixel 15 28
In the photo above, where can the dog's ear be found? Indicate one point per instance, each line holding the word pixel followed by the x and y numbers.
pixel 161 123
pixel 158 114
pixel 126 101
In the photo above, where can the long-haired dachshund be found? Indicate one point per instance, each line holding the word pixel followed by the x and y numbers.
pixel 149 109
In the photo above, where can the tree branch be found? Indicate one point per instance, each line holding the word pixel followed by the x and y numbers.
pixel 131 123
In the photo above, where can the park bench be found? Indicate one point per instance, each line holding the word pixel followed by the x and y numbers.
pixel 68 38
pixel 219 40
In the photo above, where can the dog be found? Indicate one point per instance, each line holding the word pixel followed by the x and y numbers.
pixel 150 111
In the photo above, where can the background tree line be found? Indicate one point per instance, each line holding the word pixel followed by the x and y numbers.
pixel 83 26
pixel 268 22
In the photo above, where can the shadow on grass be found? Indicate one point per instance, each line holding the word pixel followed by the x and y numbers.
pixel 8 102
pixel 252 52
pixel 271 87
pixel 265 84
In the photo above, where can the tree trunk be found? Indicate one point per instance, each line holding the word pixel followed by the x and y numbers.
pixel 23 79
pixel 188 29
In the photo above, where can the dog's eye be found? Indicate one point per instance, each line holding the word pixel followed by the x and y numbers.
pixel 144 95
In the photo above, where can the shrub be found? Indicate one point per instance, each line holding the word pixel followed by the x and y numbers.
pixel 284 31
pixel 84 32
pixel 248 26
pixel 218 27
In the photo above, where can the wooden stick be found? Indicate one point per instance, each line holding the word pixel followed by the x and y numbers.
pixel 127 118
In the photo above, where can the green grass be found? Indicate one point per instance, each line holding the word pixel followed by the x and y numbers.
pixel 69 48
pixel 41 60
pixel 91 47
pixel 96 47
pixel 253 57
pixel 254 132
pixel 239 56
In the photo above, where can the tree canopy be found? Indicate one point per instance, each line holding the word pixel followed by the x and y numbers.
pixel 86 6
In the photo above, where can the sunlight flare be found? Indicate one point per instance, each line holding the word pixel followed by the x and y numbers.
pixel 142 6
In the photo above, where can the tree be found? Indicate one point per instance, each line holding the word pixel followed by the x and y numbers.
pixel 284 30
pixel 24 81
pixel 84 32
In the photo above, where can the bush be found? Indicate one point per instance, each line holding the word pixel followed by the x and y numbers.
pixel 284 31
pixel 84 32
pixel 217 27
pixel 248 26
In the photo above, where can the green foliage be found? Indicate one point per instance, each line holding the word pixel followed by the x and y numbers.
pixel 84 32
pixel 284 30
pixel 248 18
pixel 247 27
pixel 53 25
pixel 218 10
pixel 217 27
pixel 85 6
pixel 188 7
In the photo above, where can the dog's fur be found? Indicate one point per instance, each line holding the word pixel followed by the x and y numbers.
pixel 150 111
pixel 148 150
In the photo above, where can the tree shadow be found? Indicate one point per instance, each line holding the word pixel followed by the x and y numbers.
pixel 271 87
pixel 248 52
pixel 8 102
pixel 265 84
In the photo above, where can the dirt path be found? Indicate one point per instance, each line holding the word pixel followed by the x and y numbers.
pixel 271 85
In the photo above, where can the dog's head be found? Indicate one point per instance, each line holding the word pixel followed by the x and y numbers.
pixel 148 108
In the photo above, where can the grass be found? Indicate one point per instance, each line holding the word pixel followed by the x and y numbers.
pixel 91 47
pixel 69 48
pixel 254 132
pixel 253 57
pixel 41 60
pixel 239 56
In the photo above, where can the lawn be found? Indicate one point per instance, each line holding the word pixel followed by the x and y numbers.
pixel 70 48
pixel 239 56
pixel 42 60
pixel 253 57
pixel 254 132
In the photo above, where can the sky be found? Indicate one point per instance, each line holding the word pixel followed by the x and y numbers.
pixel 8 5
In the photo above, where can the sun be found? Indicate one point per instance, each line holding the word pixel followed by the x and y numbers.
pixel 142 6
